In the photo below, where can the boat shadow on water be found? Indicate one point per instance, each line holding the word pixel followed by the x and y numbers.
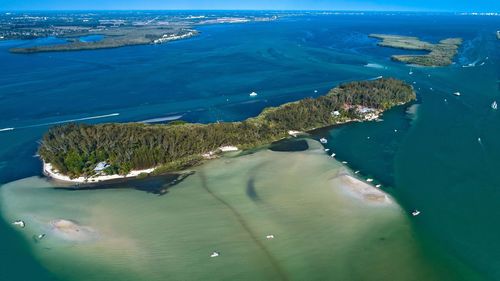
pixel 158 185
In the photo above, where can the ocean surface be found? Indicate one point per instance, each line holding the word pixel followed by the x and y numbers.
pixel 439 155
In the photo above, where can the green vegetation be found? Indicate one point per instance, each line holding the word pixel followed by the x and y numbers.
pixel 115 38
pixel 440 54
pixel 75 149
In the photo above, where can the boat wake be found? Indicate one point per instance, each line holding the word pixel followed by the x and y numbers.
pixel 162 119
pixel 61 122
pixel 375 65
pixel 72 120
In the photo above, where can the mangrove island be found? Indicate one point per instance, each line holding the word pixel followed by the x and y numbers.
pixel 440 54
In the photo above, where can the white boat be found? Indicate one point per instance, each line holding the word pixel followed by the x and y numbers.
pixel 357 172
pixel 378 185
pixel 411 72
pixel 270 236
pixel 315 91
pixel 327 149
pixel 344 162
pixel 323 140
pixel 253 94
pixel 479 140
pixel 494 105
pixel 19 223
pixel 369 180
pixel 333 155
pixel 457 94
pixel 214 254
pixel 415 213
pixel 41 236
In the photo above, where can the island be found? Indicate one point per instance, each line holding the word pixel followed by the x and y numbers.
pixel 440 54
pixel 76 31
pixel 84 152
pixel 114 38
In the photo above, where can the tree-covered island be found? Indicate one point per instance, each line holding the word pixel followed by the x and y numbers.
pixel 440 54
pixel 76 149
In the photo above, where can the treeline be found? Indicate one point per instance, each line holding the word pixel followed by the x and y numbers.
pixel 75 149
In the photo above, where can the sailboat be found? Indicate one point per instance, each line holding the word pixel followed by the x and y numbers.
pixel 494 105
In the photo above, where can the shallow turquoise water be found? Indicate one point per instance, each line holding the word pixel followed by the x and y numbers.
pixel 322 228
pixel 434 161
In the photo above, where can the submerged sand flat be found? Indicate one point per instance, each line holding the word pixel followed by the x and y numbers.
pixel 72 231
pixel 229 205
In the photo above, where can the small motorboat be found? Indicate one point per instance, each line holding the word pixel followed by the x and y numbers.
pixel 378 185
pixel 344 162
pixel 369 180
pixel 315 91
pixel 270 236
pixel 333 155
pixel 19 223
pixel 415 213
pixel 41 236
pixel 411 72
pixel 356 172
pixel 214 254
pixel 253 94
pixel 323 140
pixel 494 105
pixel 457 94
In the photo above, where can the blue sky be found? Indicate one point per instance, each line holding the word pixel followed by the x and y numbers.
pixel 399 5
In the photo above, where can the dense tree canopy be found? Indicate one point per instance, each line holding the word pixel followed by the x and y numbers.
pixel 75 149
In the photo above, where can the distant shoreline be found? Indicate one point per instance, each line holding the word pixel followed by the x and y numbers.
pixel 130 35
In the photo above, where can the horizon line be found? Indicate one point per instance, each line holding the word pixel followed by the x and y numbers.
pixel 249 10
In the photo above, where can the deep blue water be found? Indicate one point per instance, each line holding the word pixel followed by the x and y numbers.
pixel 432 162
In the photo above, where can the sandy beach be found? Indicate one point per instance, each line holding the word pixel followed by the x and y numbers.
pixel 361 190
pixel 50 172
